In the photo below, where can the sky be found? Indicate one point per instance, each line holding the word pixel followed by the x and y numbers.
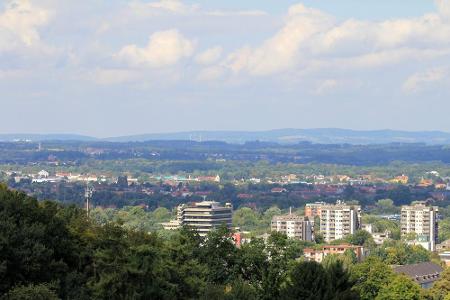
pixel 115 67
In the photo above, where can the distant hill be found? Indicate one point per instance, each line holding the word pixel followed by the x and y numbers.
pixel 282 136
pixel 289 136
pixel 44 137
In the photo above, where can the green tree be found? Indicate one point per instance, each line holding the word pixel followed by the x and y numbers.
pixel 441 288
pixel 161 214
pixel 349 192
pixel 361 238
pixel 127 265
pixel 307 280
pixel 122 182
pixel 370 277
pixel 386 206
pixel 400 253
pixel 274 275
pixel 270 213
pixel 183 264
pixel 400 288
pixel 318 238
pixel 316 225
pixel 36 246
pixel 32 292
pixel 444 229
pixel 310 280
pixel 246 218
pixel 348 259
pixel 383 225
pixel 220 255
pixel 253 262
pixel 339 282
pixel 241 290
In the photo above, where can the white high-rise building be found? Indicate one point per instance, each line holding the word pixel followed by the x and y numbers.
pixel 420 220
pixel 293 226
pixel 205 216
pixel 339 220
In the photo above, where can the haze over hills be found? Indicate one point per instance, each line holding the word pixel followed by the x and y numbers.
pixel 44 137
pixel 283 136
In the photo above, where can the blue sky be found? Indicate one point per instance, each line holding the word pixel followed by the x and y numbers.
pixel 116 67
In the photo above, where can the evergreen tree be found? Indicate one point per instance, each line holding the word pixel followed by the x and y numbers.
pixel 307 280
pixel 340 284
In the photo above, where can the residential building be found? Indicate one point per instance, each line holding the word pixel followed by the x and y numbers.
pixel 440 186
pixel 209 178
pixel 205 216
pixel 424 274
pixel 380 237
pixel 420 221
pixel 425 183
pixel 43 174
pixel 294 226
pixel 278 190
pixel 445 257
pixel 444 246
pixel 367 227
pixel 339 220
pixel 394 217
pixel 318 255
pixel 313 209
pixel 403 179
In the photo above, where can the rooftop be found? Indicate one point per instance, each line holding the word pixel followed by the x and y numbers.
pixel 421 273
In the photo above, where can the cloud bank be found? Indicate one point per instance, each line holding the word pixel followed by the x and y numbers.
pixel 172 54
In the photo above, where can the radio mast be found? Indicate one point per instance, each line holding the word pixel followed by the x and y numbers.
pixel 88 192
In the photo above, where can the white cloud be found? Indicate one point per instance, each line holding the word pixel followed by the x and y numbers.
pixel 209 56
pixel 311 38
pixel 281 52
pixel 394 33
pixel 177 7
pixel 163 6
pixel 385 58
pixel 19 24
pixel 444 7
pixel 246 13
pixel 164 48
pixel 307 63
pixel 420 80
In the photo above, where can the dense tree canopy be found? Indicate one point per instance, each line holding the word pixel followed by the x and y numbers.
pixel 50 251
pixel 370 276
pixel 441 288
pixel 400 288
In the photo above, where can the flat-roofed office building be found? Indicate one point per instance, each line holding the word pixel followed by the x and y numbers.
pixel 205 216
